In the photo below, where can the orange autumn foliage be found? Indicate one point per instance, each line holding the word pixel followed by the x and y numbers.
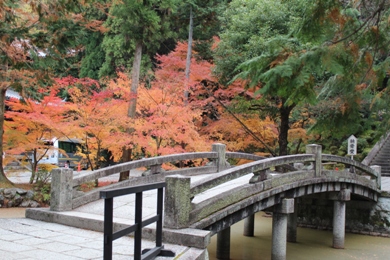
pixel 99 119
pixel 30 125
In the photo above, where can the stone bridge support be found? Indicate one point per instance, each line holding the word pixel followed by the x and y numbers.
pixel 292 224
pixel 339 218
pixel 279 229
pixel 223 244
pixel 249 226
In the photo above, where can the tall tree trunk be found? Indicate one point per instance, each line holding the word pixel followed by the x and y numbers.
pixel 131 112
pixel 284 127
pixel 3 178
pixel 135 80
pixel 34 166
pixel 188 61
pixel 284 112
pixel 88 153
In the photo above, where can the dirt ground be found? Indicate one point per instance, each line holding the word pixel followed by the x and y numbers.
pixel 12 212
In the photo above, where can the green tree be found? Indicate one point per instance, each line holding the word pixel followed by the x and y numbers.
pixel 333 51
pixel 246 26
pixel 205 24
pixel 258 35
pixel 93 54
pixel 353 48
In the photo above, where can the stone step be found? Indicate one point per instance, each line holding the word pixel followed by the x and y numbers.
pixel 382 155
pixel 380 163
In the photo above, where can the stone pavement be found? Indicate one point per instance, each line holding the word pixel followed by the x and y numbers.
pixel 91 217
pixel 27 239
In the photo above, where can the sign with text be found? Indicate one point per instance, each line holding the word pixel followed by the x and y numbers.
pixel 352 145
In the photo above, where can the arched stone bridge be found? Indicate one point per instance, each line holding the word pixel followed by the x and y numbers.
pixel 264 189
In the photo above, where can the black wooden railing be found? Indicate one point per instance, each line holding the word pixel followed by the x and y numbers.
pixel 110 236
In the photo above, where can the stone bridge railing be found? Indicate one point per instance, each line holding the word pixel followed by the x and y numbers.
pixel 181 212
pixel 66 194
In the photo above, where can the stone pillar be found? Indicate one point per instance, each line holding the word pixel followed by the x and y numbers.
pixel 317 151
pixel 292 223
pixel 61 189
pixel 339 218
pixel 259 176
pixel 279 229
pixel 155 169
pixel 378 169
pixel 221 161
pixel 249 226
pixel 177 204
pixel 223 244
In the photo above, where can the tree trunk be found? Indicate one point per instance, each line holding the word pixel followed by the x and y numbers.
pixel 34 166
pixel 88 153
pixel 284 112
pixel 126 156
pixel 188 61
pixel 284 127
pixel 3 178
pixel 135 80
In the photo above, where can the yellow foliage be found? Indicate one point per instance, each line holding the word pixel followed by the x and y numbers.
pixel 45 167
pixel 229 131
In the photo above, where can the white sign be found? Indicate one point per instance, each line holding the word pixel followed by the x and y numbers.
pixel 352 145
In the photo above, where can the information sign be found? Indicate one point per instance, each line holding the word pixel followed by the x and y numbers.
pixel 352 145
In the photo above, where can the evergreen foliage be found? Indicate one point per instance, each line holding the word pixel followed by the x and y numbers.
pixel 130 21
pixel 206 23
pixel 333 53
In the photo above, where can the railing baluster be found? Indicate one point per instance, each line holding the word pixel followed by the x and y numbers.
pixel 159 213
pixel 138 222
pixel 108 228
pixel 109 236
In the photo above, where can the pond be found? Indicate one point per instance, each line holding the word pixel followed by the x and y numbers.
pixel 312 244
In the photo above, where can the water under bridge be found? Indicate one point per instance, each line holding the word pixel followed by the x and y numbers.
pixel 206 200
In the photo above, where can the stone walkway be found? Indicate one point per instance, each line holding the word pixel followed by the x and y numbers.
pixel 27 239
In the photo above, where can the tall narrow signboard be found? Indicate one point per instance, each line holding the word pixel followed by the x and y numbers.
pixel 352 145
pixel 352 149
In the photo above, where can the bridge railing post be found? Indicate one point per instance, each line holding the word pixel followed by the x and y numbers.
pixel 378 169
pixel 177 204
pixel 317 151
pixel 61 189
pixel 221 161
